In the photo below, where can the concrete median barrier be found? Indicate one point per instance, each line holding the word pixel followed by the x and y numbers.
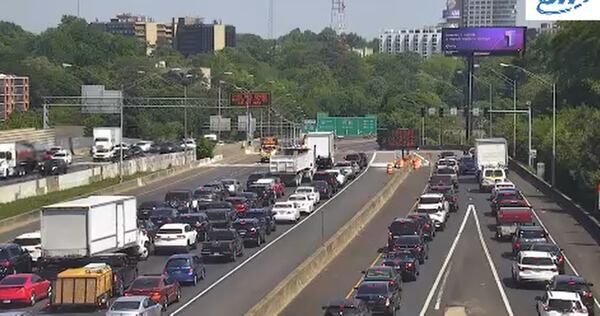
pixel 276 300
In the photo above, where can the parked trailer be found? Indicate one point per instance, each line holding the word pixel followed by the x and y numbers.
pixel 294 165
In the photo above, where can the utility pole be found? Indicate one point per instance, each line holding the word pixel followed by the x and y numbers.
pixel 515 118
pixel 121 138
pixel 219 105
pixel 185 125
pixel 491 108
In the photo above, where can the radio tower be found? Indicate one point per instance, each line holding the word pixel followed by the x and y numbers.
pixel 338 16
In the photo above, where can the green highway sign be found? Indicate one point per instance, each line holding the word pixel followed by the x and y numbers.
pixel 347 126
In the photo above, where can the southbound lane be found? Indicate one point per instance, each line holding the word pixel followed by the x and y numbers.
pixel 195 178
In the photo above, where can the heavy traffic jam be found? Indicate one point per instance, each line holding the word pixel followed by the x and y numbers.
pixel 87 251
pixel 538 263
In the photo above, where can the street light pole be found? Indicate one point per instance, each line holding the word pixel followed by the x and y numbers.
pixel 515 118
pixel 121 138
pixel 491 108
pixel 248 137
pixel 553 164
pixel 185 124
pixel 219 111
pixel 530 122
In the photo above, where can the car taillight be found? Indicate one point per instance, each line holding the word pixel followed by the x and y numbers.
pixel 127 294
pixel 155 295
pixel 588 294
pixel 545 306
pixel 409 264
pixel 418 248
pixel 5 264
pixel 253 230
pixel 426 226
pixel 157 237
pixel 517 245
pixel 392 282
pixel 559 258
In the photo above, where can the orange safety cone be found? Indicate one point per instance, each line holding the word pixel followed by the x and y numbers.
pixel 390 168
pixel 401 163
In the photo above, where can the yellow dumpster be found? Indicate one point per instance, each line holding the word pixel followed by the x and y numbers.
pixel 90 285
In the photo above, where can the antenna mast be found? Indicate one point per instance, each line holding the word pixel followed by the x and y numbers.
pixel 338 16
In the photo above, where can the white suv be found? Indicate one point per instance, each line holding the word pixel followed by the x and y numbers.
pixel 534 266
pixel 305 204
pixel 175 235
pixel 556 303
pixel 312 193
pixel 32 242
pixel 286 211
pixel 436 206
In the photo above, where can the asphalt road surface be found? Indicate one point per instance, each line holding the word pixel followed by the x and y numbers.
pixel 251 278
pixel 79 163
pixel 467 266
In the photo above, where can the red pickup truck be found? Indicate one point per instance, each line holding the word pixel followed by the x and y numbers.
pixel 509 218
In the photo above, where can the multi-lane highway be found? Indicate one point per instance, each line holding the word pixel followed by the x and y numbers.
pixel 467 267
pixel 261 268
pixel 79 163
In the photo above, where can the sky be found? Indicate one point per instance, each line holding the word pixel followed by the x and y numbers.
pixel 365 17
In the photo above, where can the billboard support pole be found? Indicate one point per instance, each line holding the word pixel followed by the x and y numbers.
pixel 469 123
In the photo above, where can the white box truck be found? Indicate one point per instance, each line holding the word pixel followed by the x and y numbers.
pixel 105 138
pixel 89 226
pixel 323 144
pixel 293 165
pixel 491 152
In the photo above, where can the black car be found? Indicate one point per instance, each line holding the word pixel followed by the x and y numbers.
pixel 404 262
pixel 577 284
pixel 14 259
pixel 218 187
pixel 149 227
pixel 251 230
pixel 414 243
pixel 53 167
pixel 135 152
pixel 169 147
pixel 221 218
pixel 124 270
pixel 327 177
pixel 223 243
pixel 179 198
pixel 324 163
pixel 446 154
pixel 380 297
pixel 385 274
pixel 427 225
pixel 325 190
pixel 145 208
pixel 467 166
pixel 365 159
pixel 255 176
pixel 265 194
pixel 203 206
pixel 263 214
pixel 163 215
pixel 203 194
pixel 199 221
pixel 404 226
pixel 356 157
pixel 346 307
pixel 251 197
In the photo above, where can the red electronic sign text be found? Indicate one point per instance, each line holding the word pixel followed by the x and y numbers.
pixel 252 98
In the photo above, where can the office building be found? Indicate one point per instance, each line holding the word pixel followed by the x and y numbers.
pixel 14 95
pixel 489 13
pixel 426 42
pixel 141 27
pixel 362 51
pixel 200 38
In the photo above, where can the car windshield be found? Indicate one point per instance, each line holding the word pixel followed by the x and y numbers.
pixel 101 139
pixel 216 216
pixel 60 155
pixel 399 226
pixel 170 231
pixel 161 213
pixel 532 234
pixel 537 261
pixel 374 273
pixel 125 306
pixel 145 283
pixel 13 281
pixel 545 247
pixel 443 179
pixel 372 289
pixel 228 182
pixel 297 198
pixel 429 200
pixel 407 240
pixel 281 206
pixel 352 157
pixel 304 190
pixel 563 305
pixel 399 255
pixel 178 262
pixel 570 286
pixel 321 176
pixel 28 241
pixel 221 235
pixel 446 171
pixel 182 196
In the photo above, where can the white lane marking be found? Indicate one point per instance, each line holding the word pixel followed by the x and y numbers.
pixel 491 263
pixel 438 299
pixel 554 241
pixel 267 246
pixel 445 265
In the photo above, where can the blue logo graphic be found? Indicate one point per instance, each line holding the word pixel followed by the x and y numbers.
pixel 555 7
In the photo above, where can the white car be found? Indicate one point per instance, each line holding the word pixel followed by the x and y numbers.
pixel 286 212
pixel 312 193
pixel 175 235
pixel 503 184
pixel 232 185
pixel 534 266
pixel 32 242
pixel 448 162
pixel 144 146
pixel 305 204
pixel 436 206
pixel 190 143
pixel 559 303
pixel 339 176
pixel 347 168
pixel 63 155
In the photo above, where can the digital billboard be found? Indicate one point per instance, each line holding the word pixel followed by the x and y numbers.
pixel 252 98
pixel 483 40
pixel 453 9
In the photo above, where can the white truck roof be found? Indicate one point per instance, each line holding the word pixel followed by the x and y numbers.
pixel 93 200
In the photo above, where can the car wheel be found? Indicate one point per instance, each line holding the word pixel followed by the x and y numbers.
pixel 32 299
pixel 178 296
pixel 49 292
pixel 195 280
pixel 203 274
pixel 165 304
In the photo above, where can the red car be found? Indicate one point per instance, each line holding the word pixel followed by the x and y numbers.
pixel 161 289
pixel 23 288
pixel 240 204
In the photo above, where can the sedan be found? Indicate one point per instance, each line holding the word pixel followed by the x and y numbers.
pixel 577 284
pixel 23 288
pixel 63 155
pixel 405 262
pixel 383 273
pixel 286 211
pixel 380 297
pixel 134 306
pixel 185 268
pixel 161 289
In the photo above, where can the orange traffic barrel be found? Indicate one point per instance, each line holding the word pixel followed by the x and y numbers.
pixel 390 168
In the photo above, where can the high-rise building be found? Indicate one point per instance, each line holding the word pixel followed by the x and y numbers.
pixel 426 42
pixel 142 27
pixel 452 14
pixel 200 38
pixel 14 95
pixel 489 13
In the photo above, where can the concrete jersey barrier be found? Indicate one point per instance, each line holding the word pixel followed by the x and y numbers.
pixel 276 300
